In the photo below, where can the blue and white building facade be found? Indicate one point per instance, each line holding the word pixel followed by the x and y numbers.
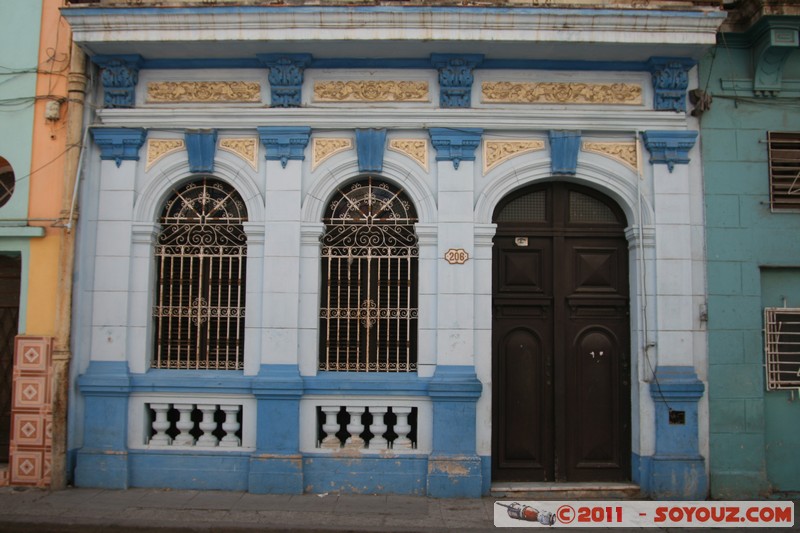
pixel 293 140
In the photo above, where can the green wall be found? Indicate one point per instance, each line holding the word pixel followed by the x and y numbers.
pixel 743 239
pixel 20 24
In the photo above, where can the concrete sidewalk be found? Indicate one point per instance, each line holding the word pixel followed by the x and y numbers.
pixel 121 511
pixel 181 511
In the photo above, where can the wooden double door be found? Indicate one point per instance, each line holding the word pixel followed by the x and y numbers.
pixel 561 349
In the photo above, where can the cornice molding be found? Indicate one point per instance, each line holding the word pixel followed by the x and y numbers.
pixel 696 26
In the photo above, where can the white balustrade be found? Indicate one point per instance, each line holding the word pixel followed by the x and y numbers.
pixel 380 436
pixel 185 425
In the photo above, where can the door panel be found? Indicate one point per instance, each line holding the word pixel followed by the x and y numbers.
pixel 561 401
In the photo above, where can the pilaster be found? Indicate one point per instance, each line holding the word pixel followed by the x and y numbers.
pixel 677 470
pixel 284 143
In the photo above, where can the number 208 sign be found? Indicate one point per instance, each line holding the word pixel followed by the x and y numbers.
pixel 643 514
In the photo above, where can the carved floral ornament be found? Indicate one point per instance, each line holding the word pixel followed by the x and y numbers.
pixel 505 92
pixel 246 148
pixel 496 152
pixel 416 149
pixel 159 148
pixel 203 92
pixel 371 91
pixel 325 148
pixel 624 152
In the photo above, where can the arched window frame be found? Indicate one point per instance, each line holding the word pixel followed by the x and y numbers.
pixel 199 318
pixel 369 283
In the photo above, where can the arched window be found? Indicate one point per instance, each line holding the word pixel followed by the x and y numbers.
pixel 200 268
pixel 7 181
pixel 368 312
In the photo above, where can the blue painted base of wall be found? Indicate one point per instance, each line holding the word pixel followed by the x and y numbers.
pixel 452 476
pixel 103 470
pixel 641 472
pixel 187 470
pixel 270 474
pixel 486 473
pixel 678 478
pixel 365 475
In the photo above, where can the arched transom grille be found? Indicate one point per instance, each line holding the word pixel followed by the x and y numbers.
pixel 200 295
pixel 368 314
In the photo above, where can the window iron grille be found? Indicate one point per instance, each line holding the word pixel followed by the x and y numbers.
pixel 782 347
pixel 368 310
pixel 200 260
pixel 784 170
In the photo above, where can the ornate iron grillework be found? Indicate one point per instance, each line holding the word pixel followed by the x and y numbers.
pixel 368 312
pixel 782 347
pixel 784 170
pixel 200 260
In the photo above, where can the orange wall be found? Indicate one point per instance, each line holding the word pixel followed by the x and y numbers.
pixel 47 166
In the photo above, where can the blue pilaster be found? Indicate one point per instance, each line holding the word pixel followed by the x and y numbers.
pixel 455 78
pixel 119 144
pixel 103 460
pixel 669 147
pixel 370 146
pixel 454 468
pixel 119 75
pixel 284 143
pixel 670 76
pixel 564 148
pixel 276 466
pixel 285 77
pixel 677 470
pixel 202 146
pixel 455 145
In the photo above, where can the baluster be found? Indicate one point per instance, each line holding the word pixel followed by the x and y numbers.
pixel 230 426
pixel 208 425
pixel 402 428
pixel 184 425
pixel 378 429
pixel 330 427
pixel 355 428
pixel 161 425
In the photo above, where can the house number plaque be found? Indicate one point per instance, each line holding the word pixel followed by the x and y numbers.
pixel 456 256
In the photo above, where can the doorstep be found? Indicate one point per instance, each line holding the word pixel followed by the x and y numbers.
pixel 567 491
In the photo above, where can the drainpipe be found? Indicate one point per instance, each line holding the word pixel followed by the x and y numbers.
pixel 76 94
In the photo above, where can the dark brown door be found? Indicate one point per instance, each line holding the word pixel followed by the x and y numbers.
pixel 9 319
pixel 561 362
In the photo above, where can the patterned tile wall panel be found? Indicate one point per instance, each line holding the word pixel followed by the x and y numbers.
pixel 31 412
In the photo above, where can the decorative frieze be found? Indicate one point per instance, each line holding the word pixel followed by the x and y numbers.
pixel 496 152
pixel 246 148
pixel 624 152
pixel 158 148
pixel 416 149
pixel 371 91
pixel 505 92
pixel 162 92
pixel 324 148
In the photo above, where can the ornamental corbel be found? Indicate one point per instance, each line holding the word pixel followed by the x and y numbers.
pixel 119 144
pixel 455 78
pixel 285 77
pixel 769 57
pixel 669 147
pixel 284 143
pixel 670 76
pixel 455 145
pixel 119 75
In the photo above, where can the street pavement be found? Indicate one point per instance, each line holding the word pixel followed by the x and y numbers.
pixel 28 510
